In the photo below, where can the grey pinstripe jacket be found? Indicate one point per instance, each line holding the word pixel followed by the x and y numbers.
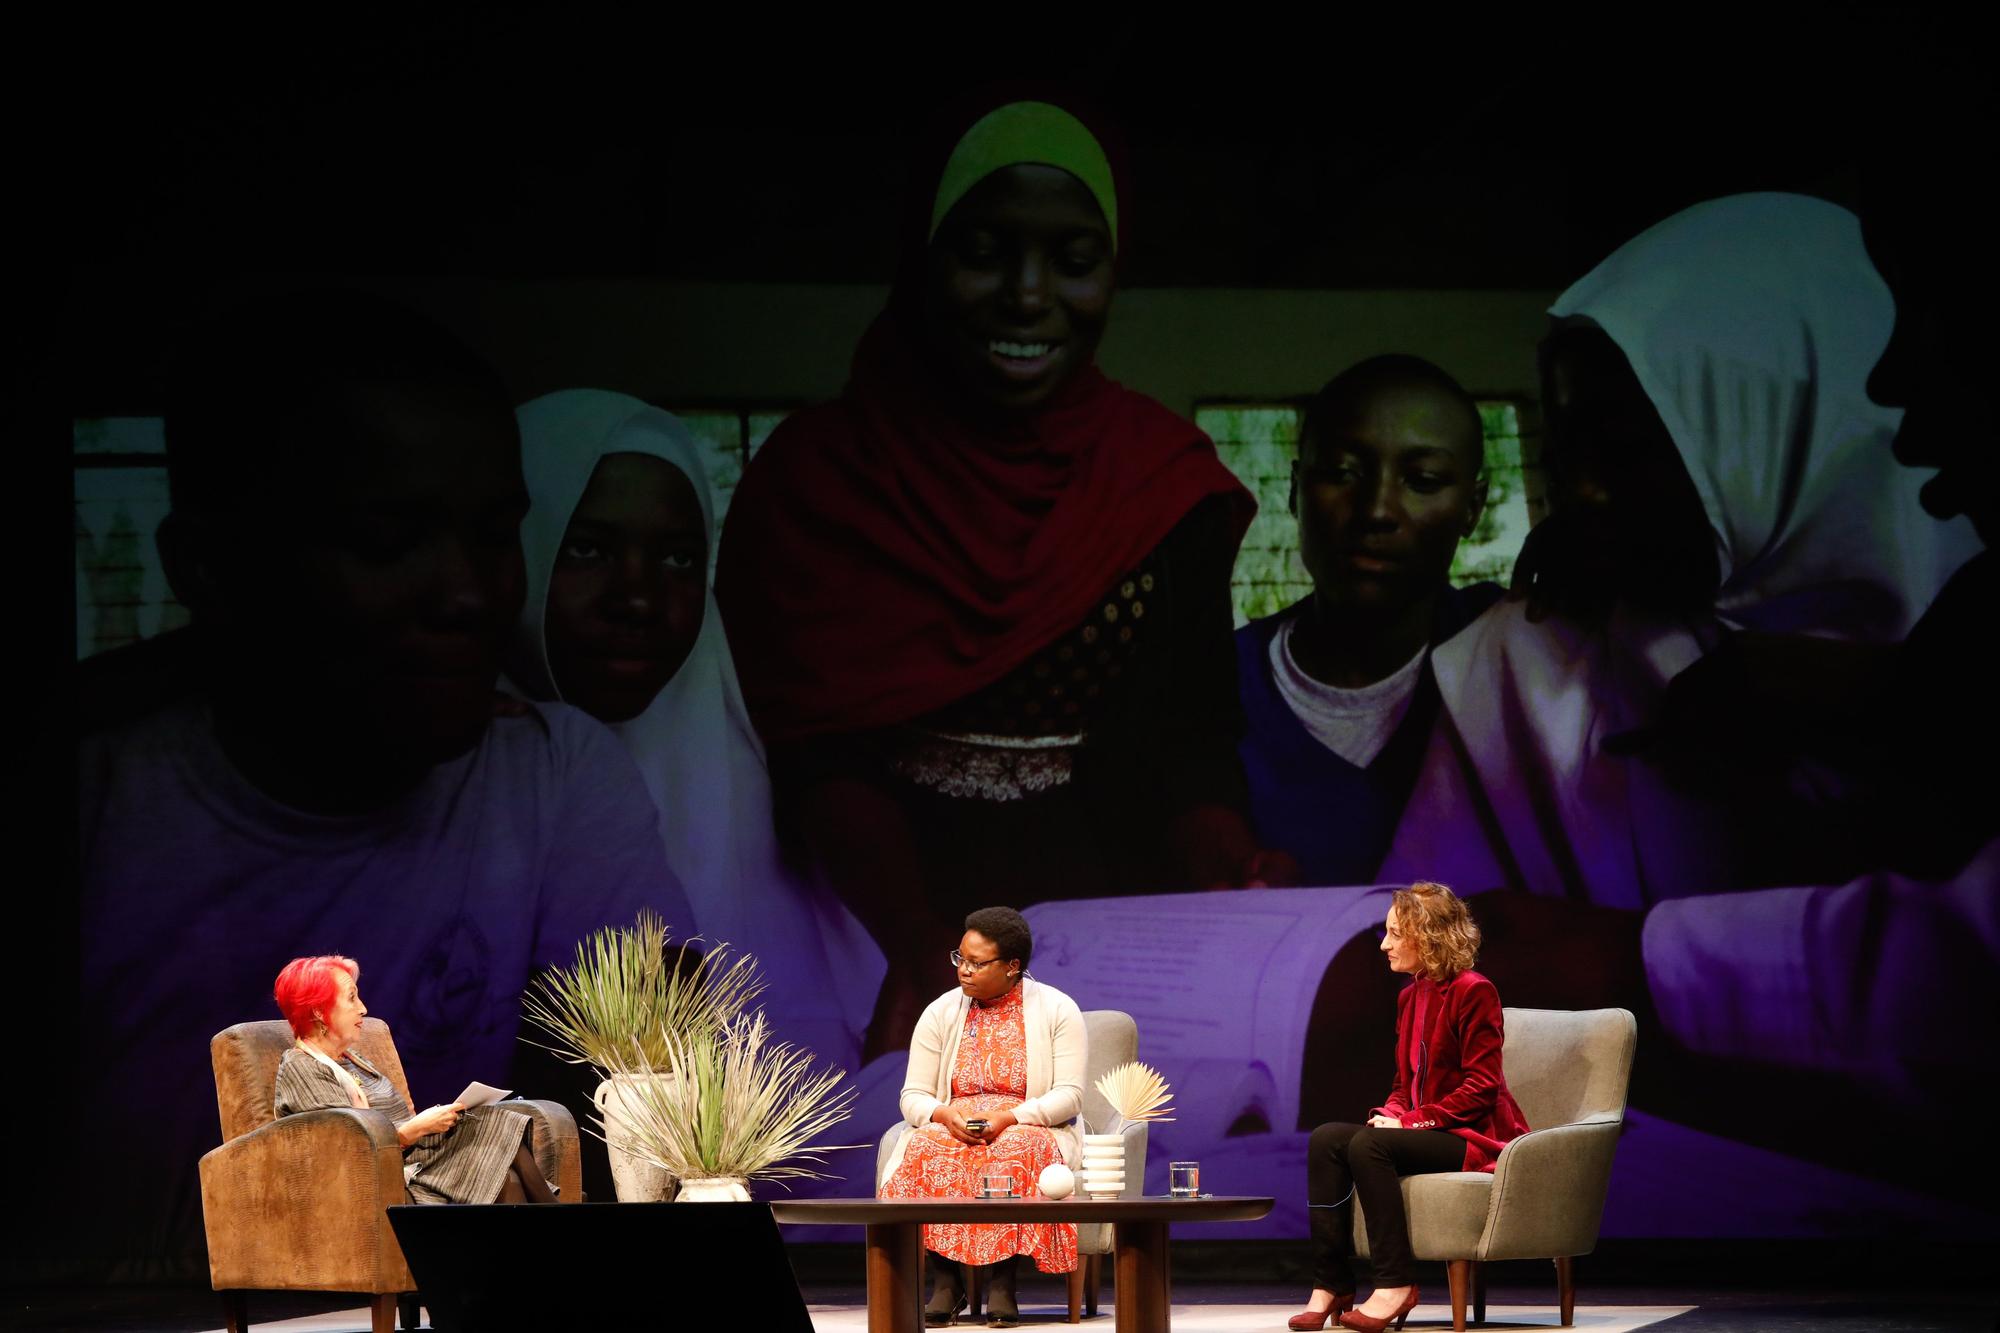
pixel 466 1164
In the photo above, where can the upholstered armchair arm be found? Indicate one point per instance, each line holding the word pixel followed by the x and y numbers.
pixel 1548 1191
pixel 887 1149
pixel 555 1137
pixel 298 1203
pixel 1135 1159
pixel 1097 1237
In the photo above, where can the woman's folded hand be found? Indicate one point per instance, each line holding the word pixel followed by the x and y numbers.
pixel 996 1122
pixel 954 1125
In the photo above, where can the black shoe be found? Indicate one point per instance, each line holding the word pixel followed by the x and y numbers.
pixel 947 1292
pixel 1001 1311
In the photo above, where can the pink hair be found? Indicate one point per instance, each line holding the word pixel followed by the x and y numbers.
pixel 308 984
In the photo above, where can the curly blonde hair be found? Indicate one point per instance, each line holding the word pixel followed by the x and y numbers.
pixel 1436 920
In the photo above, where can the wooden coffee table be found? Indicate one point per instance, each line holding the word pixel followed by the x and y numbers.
pixel 895 1244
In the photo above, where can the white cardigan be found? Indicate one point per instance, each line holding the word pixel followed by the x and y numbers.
pixel 1057 1050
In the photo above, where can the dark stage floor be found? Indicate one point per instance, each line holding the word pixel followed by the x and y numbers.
pixel 1734 1310
pixel 1843 1287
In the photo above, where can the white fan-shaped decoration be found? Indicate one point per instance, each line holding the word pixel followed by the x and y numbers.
pixel 1136 1092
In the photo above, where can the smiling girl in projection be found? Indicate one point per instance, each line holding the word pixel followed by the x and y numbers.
pixel 981 601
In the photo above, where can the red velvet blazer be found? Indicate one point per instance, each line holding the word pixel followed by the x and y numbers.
pixel 1458 1086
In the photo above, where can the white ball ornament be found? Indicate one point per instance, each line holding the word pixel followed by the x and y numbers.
pixel 1056 1181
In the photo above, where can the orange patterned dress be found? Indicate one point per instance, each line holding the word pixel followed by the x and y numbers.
pixel 990 1074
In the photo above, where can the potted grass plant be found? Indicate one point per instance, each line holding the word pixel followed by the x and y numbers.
pixel 624 1008
pixel 743 1107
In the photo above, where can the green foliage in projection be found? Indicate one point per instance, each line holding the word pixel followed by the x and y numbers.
pixel 719 432
pixel 1488 554
pixel 121 590
pixel 729 438
pixel 112 572
pixel 760 425
pixel 1257 441
pixel 90 435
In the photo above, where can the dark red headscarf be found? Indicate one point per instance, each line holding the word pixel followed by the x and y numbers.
pixel 894 550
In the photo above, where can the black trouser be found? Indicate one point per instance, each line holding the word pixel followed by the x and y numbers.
pixel 1345 1161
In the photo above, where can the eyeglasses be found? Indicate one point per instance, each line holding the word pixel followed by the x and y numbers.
pixel 959 960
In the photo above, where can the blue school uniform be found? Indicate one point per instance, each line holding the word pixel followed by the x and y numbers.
pixel 1335 817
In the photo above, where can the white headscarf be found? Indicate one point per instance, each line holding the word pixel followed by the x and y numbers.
pixel 701 758
pixel 1752 323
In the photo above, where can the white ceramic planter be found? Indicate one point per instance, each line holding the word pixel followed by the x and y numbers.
pixel 635 1179
pixel 714 1189
pixel 1103 1173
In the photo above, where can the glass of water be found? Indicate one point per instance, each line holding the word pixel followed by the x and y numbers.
pixel 1184 1179
pixel 996 1185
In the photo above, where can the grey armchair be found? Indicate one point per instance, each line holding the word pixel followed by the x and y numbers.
pixel 1113 1040
pixel 1545 1196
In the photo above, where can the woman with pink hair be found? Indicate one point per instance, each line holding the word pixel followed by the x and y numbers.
pixel 450 1154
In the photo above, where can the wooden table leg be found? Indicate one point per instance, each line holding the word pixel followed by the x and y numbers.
pixel 1145 1287
pixel 895 1272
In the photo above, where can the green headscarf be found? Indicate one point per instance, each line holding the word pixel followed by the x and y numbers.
pixel 1027 132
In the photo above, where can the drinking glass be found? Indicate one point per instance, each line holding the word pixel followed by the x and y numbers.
pixel 1184 1179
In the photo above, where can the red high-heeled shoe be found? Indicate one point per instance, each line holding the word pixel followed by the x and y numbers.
pixel 1306 1320
pixel 1368 1323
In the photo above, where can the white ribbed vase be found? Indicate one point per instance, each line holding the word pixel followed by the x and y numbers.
pixel 1103 1173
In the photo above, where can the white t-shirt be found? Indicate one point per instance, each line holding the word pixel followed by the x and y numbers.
pixel 1354 724
pixel 197 888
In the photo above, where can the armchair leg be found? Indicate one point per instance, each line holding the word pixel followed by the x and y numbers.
pixel 410 1305
pixel 1459 1273
pixel 1566 1291
pixel 1478 1292
pixel 1075 1285
pixel 235 1311
pixel 975 1289
pixel 1094 1282
pixel 382 1313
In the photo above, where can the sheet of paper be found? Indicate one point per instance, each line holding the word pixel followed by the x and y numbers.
pixel 478 1094
pixel 1229 1050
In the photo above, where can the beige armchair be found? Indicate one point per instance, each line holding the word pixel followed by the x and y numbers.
pixel 1113 1040
pixel 297 1203
pixel 1545 1197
